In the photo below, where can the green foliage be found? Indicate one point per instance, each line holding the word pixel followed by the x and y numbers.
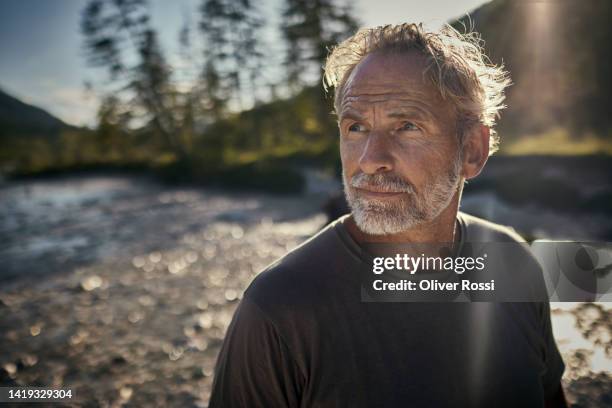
pixel 558 141
pixel 260 148
pixel 281 125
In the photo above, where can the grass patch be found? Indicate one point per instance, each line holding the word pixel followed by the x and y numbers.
pixel 558 142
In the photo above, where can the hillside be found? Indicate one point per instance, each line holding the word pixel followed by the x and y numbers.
pixel 559 56
pixel 19 118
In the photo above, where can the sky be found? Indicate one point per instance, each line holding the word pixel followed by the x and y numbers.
pixel 42 61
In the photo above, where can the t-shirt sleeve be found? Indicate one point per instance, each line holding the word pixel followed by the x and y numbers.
pixel 254 367
pixel 554 366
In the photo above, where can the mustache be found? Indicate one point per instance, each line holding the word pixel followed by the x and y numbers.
pixel 381 182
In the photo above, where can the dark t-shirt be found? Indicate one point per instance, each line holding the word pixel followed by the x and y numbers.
pixel 302 337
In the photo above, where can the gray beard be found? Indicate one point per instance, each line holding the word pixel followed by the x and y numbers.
pixel 378 217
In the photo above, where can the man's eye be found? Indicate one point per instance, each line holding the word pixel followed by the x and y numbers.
pixel 408 126
pixel 356 127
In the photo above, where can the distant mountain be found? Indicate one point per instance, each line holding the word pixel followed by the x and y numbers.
pixel 19 118
pixel 559 54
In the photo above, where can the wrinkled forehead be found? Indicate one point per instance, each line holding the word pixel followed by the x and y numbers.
pixel 381 68
pixel 391 78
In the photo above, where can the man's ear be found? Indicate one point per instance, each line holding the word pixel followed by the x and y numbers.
pixel 475 150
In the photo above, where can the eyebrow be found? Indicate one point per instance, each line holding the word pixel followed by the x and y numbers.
pixel 410 113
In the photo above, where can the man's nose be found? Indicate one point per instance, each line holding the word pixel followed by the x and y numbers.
pixel 376 156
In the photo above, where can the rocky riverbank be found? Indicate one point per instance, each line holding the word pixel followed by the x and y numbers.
pixel 122 289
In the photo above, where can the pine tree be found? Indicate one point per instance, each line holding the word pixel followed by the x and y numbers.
pixel 231 31
pixel 311 28
pixel 118 37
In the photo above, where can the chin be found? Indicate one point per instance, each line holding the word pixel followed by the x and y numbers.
pixel 374 222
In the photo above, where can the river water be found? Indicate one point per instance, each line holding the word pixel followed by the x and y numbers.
pixel 122 289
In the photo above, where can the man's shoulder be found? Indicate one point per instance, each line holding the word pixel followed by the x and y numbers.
pixel 299 274
pixel 480 230
pixel 510 261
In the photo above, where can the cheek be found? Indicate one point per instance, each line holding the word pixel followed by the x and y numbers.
pixel 420 161
pixel 418 152
pixel 349 155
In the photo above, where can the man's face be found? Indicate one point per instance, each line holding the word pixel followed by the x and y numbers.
pixel 398 144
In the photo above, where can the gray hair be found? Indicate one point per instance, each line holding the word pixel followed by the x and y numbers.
pixel 457 66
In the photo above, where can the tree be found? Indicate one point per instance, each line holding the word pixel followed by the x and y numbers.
pixel 231 31
pixel 112 129
pixel 311 28
pixel 118 37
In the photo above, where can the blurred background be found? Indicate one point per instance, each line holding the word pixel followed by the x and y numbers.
pixel 155 156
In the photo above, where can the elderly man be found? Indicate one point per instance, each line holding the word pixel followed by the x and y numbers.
pixel 415 111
